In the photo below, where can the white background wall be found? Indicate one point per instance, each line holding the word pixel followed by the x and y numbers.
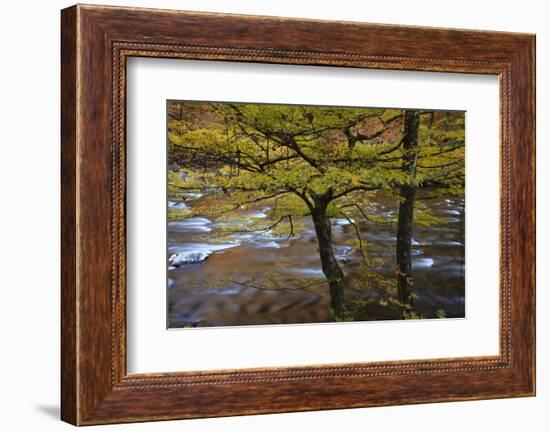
pixel 29 224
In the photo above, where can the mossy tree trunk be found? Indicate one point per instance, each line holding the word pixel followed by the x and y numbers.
pixel 407 195
pixel 329 264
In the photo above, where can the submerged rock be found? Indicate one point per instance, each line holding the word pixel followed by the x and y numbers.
pixel 186 257
pixel 195 253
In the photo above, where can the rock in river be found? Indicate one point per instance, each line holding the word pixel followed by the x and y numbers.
pixel 190 256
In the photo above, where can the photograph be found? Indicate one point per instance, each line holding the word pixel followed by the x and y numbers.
pixel 295 214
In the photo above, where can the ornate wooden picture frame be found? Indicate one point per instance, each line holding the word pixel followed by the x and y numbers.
pixel 96 41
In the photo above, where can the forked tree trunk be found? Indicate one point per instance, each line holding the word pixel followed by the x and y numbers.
pixel 330 266
pixel 406 213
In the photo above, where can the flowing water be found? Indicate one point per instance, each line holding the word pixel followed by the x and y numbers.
pixel 260 278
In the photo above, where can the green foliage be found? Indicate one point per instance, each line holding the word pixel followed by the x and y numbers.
pixel 440 313
pixel 178 213
pixel 248 152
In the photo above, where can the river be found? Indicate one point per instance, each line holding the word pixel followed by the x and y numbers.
pixel 249 280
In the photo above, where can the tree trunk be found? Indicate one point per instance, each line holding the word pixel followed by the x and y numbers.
pixel 403 248
pixel 406 213
pixel 331 269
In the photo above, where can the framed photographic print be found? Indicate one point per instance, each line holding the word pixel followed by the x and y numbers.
pixel 265 214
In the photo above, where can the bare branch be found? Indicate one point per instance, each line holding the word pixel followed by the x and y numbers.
pixel 358 235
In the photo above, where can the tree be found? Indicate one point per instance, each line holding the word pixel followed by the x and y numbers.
pixel 434 160
pixel 407 195
pixel 311 161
